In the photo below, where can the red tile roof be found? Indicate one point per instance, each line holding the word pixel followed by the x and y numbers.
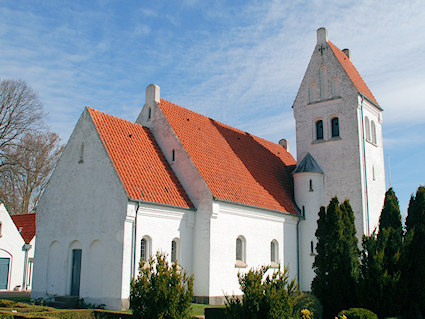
pixel 25 223
pixel 141 167
pixel 236 166
pixel 352 73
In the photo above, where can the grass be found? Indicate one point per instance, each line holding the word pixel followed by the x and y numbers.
pixel 198 309
pixel 21 305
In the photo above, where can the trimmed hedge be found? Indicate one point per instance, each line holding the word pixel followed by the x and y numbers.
pixel 358 313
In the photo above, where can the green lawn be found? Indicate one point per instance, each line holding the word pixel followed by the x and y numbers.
pixel 198 309
pixel 22 304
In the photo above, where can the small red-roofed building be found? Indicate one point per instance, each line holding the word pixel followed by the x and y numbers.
pixel 217 200
pixel 17 244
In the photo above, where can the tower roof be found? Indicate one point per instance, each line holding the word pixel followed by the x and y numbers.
pixel 308 165
pixel 352 73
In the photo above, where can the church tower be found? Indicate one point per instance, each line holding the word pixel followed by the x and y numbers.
pixel 339 127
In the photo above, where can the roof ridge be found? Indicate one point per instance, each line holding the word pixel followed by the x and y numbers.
pixel 221 123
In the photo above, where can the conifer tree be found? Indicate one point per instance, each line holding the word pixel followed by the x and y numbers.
pixel 336 262
pixel 413 271
pixel 381 269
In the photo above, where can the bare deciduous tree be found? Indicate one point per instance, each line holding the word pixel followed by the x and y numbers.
pixel 34 159
pixel 20 112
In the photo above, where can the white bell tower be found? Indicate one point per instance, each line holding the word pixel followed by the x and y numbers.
pixel 339 124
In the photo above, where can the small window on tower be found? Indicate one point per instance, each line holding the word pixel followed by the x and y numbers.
pixel 173 155
pixel 335 127
pixel 373 127
pixel 149 113
pixel 303 211
pixel 319 130
pixel 311 185
pixel 367 127
pixel 312 248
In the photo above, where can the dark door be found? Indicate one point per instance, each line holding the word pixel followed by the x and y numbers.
pixel 4 272
pixel 76 272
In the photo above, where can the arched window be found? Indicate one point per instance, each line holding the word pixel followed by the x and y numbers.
pixel 335 127
pixel 240 249
pixel 367 127
pixel 174 250
pixel 319 130
pixel 274 251
pixel 373 127
pixel 145 248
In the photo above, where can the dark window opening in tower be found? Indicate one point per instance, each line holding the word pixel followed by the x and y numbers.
pixel 335 127
pixel 319 130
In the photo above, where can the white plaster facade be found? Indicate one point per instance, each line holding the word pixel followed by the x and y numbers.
pixel 16 256
pixel 85 206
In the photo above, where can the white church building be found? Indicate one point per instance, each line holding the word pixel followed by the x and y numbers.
pixel 217 199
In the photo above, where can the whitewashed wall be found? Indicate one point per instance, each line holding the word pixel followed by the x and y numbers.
pixel 259 228
pixel 11 244
pixel 84 206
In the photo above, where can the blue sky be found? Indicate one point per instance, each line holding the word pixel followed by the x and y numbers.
pixel 240 62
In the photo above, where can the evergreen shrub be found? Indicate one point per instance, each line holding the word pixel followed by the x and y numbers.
pixel 357 313
pixel 215 313
pixel 264 295
pixel 161 290
pixel 310 302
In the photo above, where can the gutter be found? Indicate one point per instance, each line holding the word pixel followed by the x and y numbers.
pixel 26 247
pixel 133 257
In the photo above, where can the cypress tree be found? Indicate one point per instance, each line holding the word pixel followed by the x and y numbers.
pixel 336 262
pixel 381 269
pixel 413 271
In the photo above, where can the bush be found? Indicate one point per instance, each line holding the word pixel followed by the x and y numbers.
pixel 215 313
pixel 357 313
pixel 310 302
pixel 264 296
pixel 161 290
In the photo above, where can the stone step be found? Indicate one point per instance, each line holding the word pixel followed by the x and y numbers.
pixel 64 302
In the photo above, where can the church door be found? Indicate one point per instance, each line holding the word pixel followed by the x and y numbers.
pixel 76 272
pixel 4 273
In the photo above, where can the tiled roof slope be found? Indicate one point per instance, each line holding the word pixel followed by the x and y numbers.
pixel 236 166
pixel 352 73
pixel 27 222
pixel 142 168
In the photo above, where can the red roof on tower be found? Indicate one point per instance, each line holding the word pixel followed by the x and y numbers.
pixel 352 73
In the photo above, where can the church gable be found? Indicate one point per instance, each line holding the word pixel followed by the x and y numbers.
pixel 236 166
pixel 141 167
pixel 353 74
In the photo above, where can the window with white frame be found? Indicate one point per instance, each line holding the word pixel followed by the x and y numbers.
pixel 241 249
pixel 145 248
pixel 367 128
pixel 373 129
pixel 274 251
pixel 174 250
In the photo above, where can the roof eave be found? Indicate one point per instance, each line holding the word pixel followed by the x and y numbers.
pixel 370 101
pixel 256 207
pixel 160 204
